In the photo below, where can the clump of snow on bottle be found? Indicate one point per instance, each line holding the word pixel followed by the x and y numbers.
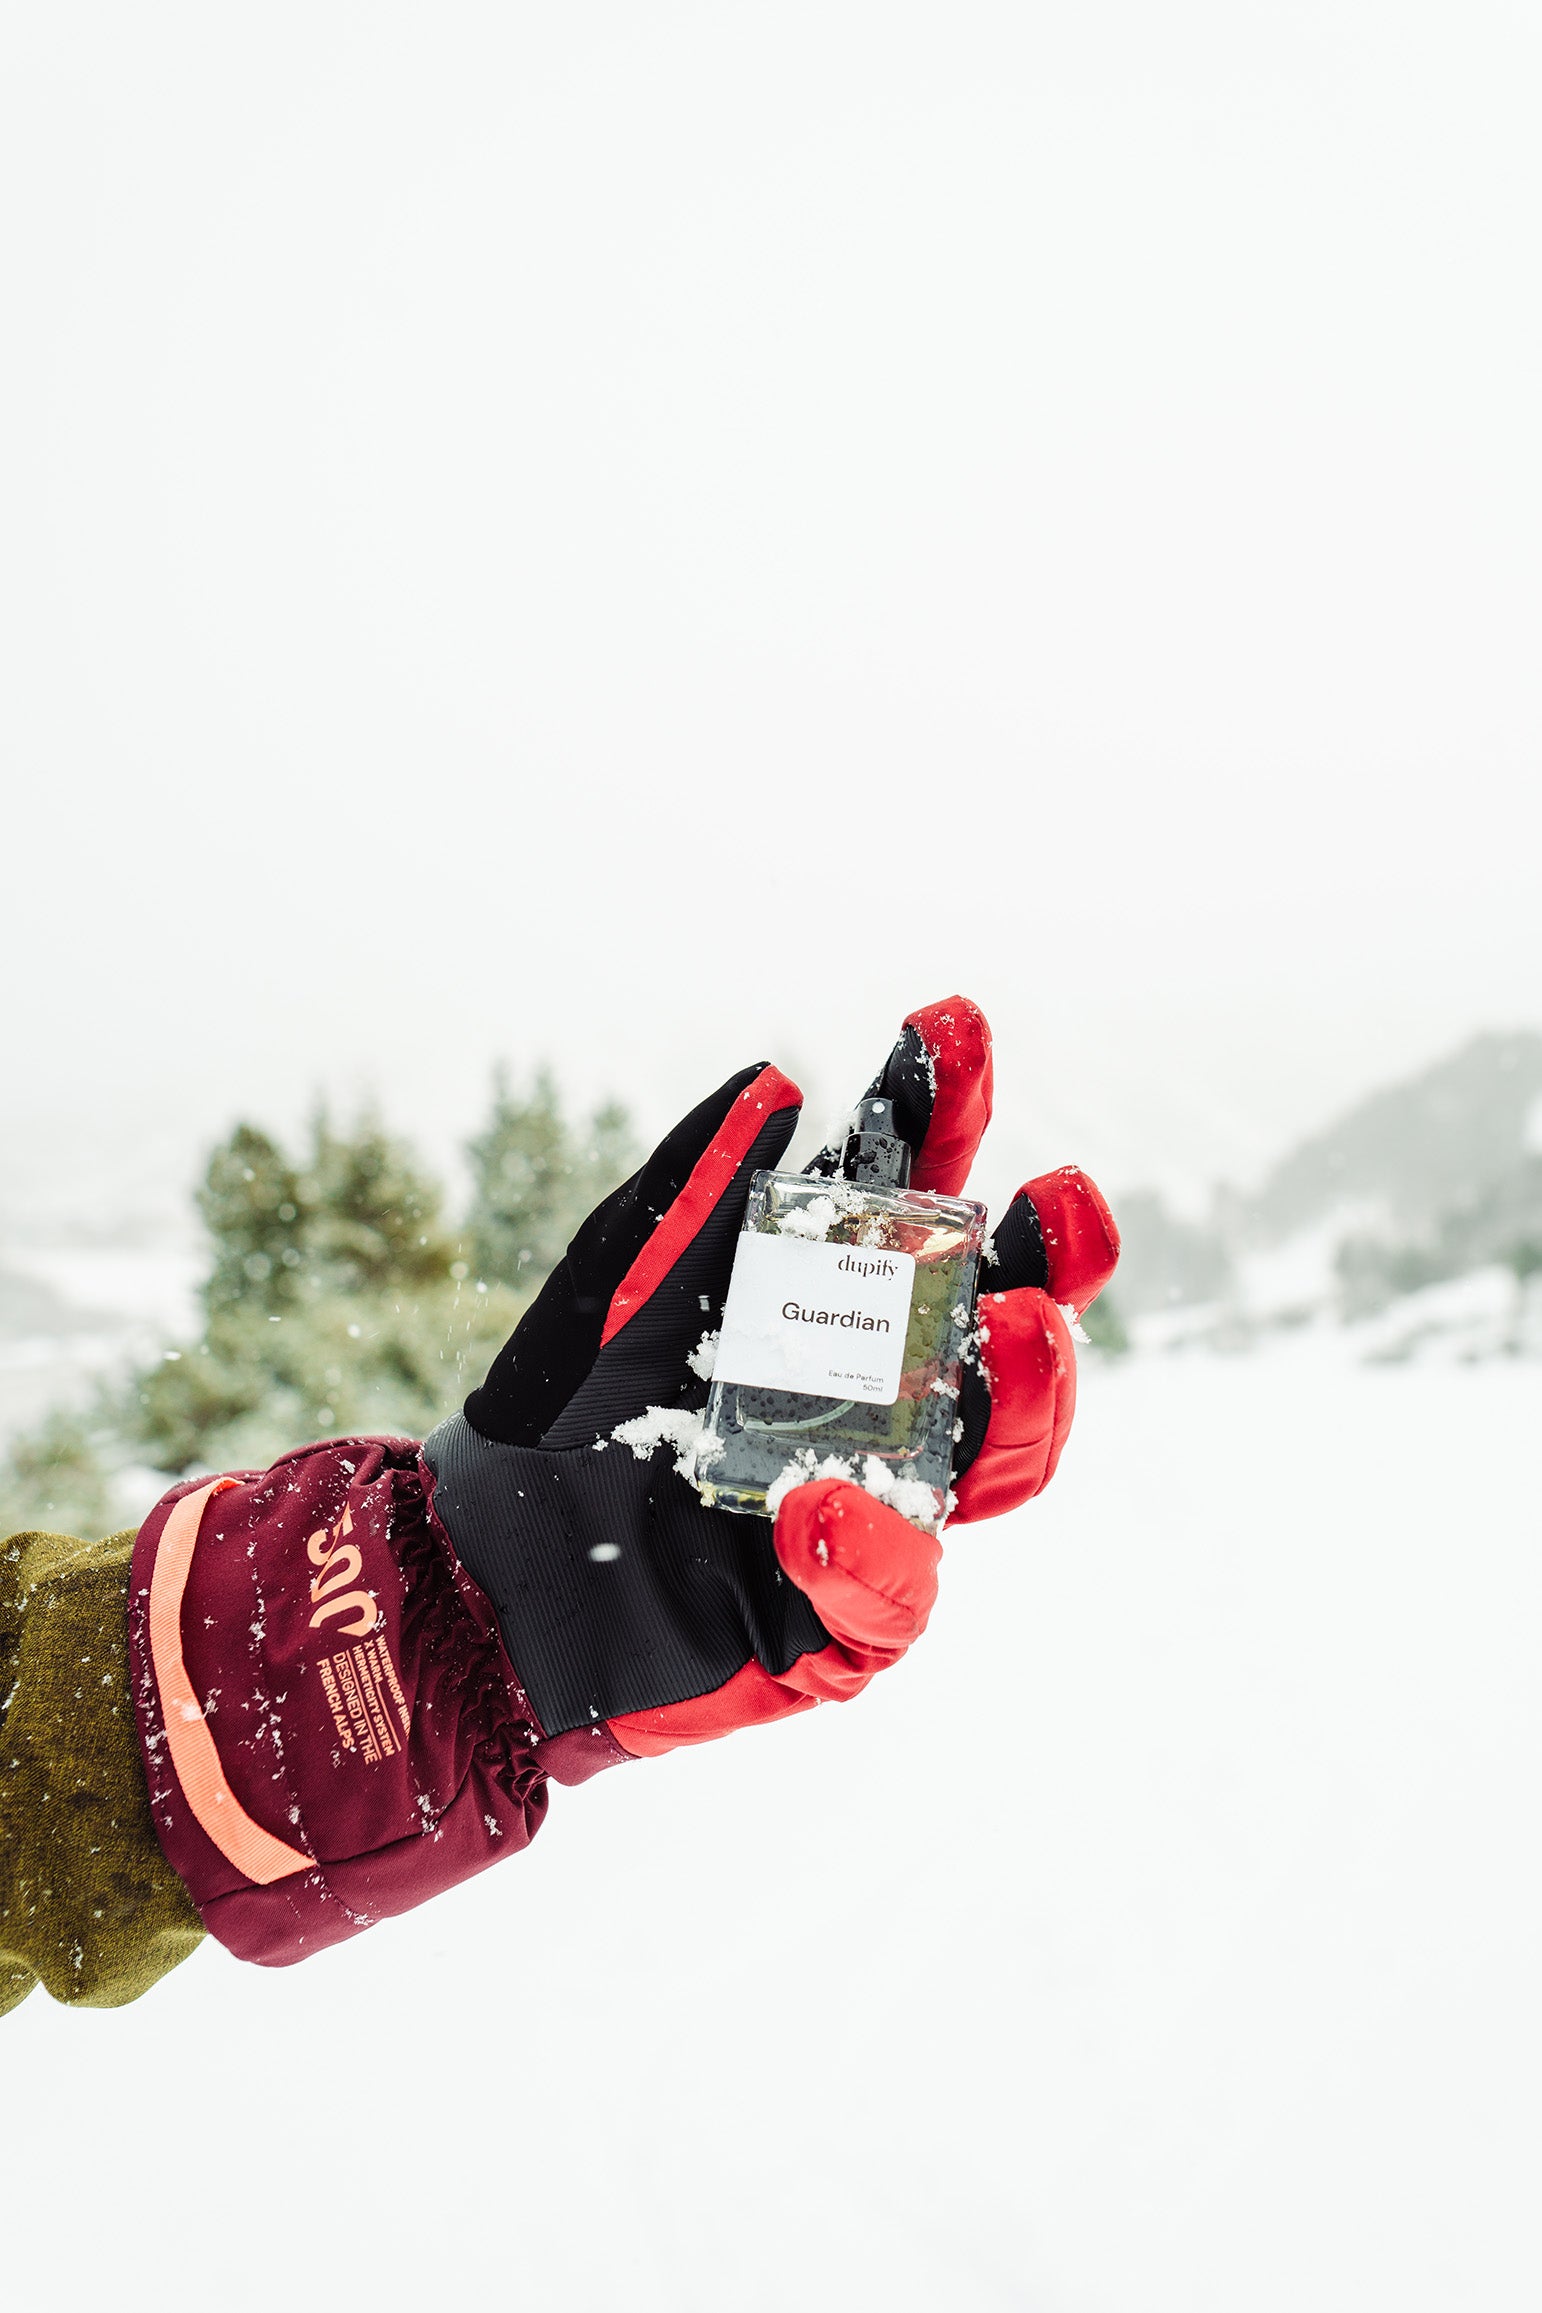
pixel 802 1470
pixel 911 1497
pixel 677 1426
pixel 814 1220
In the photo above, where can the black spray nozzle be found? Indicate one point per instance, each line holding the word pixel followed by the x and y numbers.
pixel 874 1152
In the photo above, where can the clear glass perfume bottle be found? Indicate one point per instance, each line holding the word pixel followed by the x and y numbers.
pixel 844 1333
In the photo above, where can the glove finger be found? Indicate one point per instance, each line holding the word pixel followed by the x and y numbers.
pixel 1080 1238
pixel 642 1280
pixel 870 1576
pixel 1030 1372
pixel 940 1079
pixel 1057 1232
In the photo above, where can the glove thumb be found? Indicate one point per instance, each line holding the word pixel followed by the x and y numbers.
pixel 870 1576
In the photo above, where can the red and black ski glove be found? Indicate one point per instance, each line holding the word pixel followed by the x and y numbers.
pixel 636 1618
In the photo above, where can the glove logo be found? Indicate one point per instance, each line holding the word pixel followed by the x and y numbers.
pixel 361 1684
pixel 340 1563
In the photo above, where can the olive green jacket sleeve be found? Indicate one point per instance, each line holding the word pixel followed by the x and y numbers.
pixel 89 1906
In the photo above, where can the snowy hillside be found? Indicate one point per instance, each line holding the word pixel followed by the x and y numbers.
pixel 1414 1220
pixel 1161 1938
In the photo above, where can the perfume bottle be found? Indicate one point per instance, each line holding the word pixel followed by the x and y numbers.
pixel 844 1333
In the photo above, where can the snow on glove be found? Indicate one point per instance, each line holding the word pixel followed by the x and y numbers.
pixel 636 1618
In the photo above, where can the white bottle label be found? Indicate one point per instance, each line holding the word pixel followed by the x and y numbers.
pixel 825 1320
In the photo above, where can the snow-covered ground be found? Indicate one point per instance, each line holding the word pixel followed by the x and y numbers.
pixel 1163 1934
pixel 1465 1320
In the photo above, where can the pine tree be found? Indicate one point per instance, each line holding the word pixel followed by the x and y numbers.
pixel 534 1180
pixel 336 1302
pixel 1105 1328
pixel 1524 1262
pixel 372 1219
pixel 256 1214
pixel 53 1480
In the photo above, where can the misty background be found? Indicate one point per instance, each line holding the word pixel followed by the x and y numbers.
pixel 634 540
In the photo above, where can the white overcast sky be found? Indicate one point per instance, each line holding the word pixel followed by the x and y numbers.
pixel 658 535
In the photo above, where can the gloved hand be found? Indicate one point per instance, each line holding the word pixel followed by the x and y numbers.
pixel 355 1673
pixel 635 1617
